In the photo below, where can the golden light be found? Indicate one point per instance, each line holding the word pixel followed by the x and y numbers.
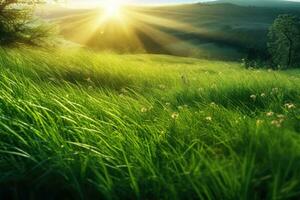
pixel 112 9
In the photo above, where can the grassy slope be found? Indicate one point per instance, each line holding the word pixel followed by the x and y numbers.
pixel 86 125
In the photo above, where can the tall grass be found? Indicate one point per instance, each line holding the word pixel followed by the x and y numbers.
pixel 79 125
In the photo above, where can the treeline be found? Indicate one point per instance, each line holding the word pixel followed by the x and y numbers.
pixel 282 48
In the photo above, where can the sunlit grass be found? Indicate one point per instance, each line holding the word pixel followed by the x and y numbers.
pixel 84 125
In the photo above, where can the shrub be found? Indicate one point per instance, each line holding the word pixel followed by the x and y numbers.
pixel 19 25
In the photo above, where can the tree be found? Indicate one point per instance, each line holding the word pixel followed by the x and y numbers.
pixel 284 41
pixel 18 23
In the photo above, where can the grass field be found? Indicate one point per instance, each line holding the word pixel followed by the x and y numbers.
pixel 75 124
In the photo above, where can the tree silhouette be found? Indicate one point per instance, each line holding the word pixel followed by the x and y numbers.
pixel 284 41
pixel 18 23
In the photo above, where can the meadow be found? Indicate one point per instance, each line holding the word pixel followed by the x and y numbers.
pixel 77 124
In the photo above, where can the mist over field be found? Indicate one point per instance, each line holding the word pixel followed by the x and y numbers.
pixel 150 100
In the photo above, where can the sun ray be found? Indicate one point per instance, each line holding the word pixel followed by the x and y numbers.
pixel 164 22
pixel 134 27
pixel 164 39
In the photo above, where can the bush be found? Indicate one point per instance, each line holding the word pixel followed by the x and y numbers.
pixel 19 25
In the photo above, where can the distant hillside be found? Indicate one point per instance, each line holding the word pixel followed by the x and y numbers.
pixel 217 31
pixel 263 3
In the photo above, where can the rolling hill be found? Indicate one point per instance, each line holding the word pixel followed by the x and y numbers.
pixel 214 31
pixel 263 3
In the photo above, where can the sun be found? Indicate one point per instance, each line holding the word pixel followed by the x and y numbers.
pixel 112 9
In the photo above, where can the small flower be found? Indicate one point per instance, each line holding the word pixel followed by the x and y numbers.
pixel 162 135
pixel 275 90
pixel 277 123
pixel 289 105
pixel 208 118
pixel 88 79
pixel 175 115
pixel 263 94
pixel 213 104
pixel 253 96
pixel 213 86
pixel 168 104
pixel 143 110
pixel 180 107
pixel 161 86
pixel 123 90
pixel 280 116
pixel 200 89
pixel 269 114
pixel 259 122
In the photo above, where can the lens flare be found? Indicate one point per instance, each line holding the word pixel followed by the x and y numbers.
pixel 112 9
